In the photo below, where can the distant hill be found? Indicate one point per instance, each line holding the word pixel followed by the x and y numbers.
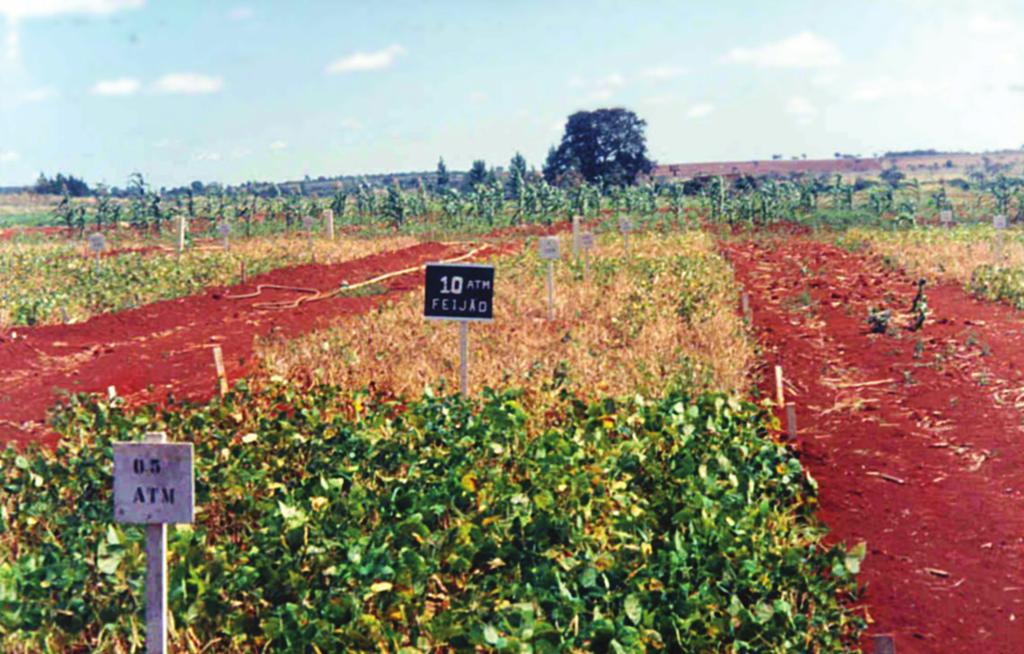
pixel 912 162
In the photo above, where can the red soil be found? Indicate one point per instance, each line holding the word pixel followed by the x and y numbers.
pixel 8 234
pixel 163 349
pixel 945 530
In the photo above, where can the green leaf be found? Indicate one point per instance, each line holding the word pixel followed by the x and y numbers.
pixel 855 556
pixel 632 608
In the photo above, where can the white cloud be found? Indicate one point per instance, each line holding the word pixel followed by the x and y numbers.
pixel 240 13
pixel 40 94
pixel 805 50
pixel 188 83
pixel 279 145
pixel 116 87
pixel 700 110
pixel 986 25
pixel 802 109
pixel 605 88
pixel 362 61
pixel 8 156
pixel 658 100
pixel 662 73
pixel 886 87
pixel 16 9
pixel 207 156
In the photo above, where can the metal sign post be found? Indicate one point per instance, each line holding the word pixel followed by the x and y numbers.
pixel 308 223
pixel 224 229
pixel 329 221
pixel 586 244
pixel 97 243
pixel 625 227
pixel 463 292
pixel 1000 223
pixel 154 484
pixel 548 248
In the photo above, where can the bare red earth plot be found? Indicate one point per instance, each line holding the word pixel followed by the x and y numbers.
pixel 913 437
pixel 163 348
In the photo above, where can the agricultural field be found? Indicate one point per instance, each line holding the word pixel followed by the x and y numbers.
pixel 736 425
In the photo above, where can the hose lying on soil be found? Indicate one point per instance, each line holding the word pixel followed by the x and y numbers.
pixel 315 296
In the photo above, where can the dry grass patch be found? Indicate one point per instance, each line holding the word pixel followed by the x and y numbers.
pixel 666 317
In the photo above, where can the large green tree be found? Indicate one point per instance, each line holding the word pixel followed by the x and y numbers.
pixel 606 146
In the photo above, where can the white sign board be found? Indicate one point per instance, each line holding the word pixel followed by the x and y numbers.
pixel 224 229
pixel 97 242
pixel 625 224
pixel 946 217
pixel 999 222
pixel 153 483
pixel 587 240
pixel 307 222
pixel 548 247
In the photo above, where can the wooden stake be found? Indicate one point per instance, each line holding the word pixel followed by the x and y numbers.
pixel 745 304
pixel 156 577
pixel 222 377
pixel 780 396
pixel 244 276
pixel 464 358
pixel 586 265
pixel 791 420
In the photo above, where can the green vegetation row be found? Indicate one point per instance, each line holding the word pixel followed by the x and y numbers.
pixel 42 284
pixel 333 522
pixel 487 201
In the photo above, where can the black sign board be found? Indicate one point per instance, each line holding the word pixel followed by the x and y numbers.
pixel 459 291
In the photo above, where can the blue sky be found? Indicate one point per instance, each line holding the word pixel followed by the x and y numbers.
pixel 233 91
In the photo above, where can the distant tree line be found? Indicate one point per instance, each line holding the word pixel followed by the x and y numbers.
pixel 61 185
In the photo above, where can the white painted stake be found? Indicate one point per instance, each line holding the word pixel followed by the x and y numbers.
pixel 181 234
pixel 329 219
pixel 551 290
pixel 464 358
pixel 222 377
pixel 111 392
pixel 575 236
pixel 779 394
pixel 156 576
